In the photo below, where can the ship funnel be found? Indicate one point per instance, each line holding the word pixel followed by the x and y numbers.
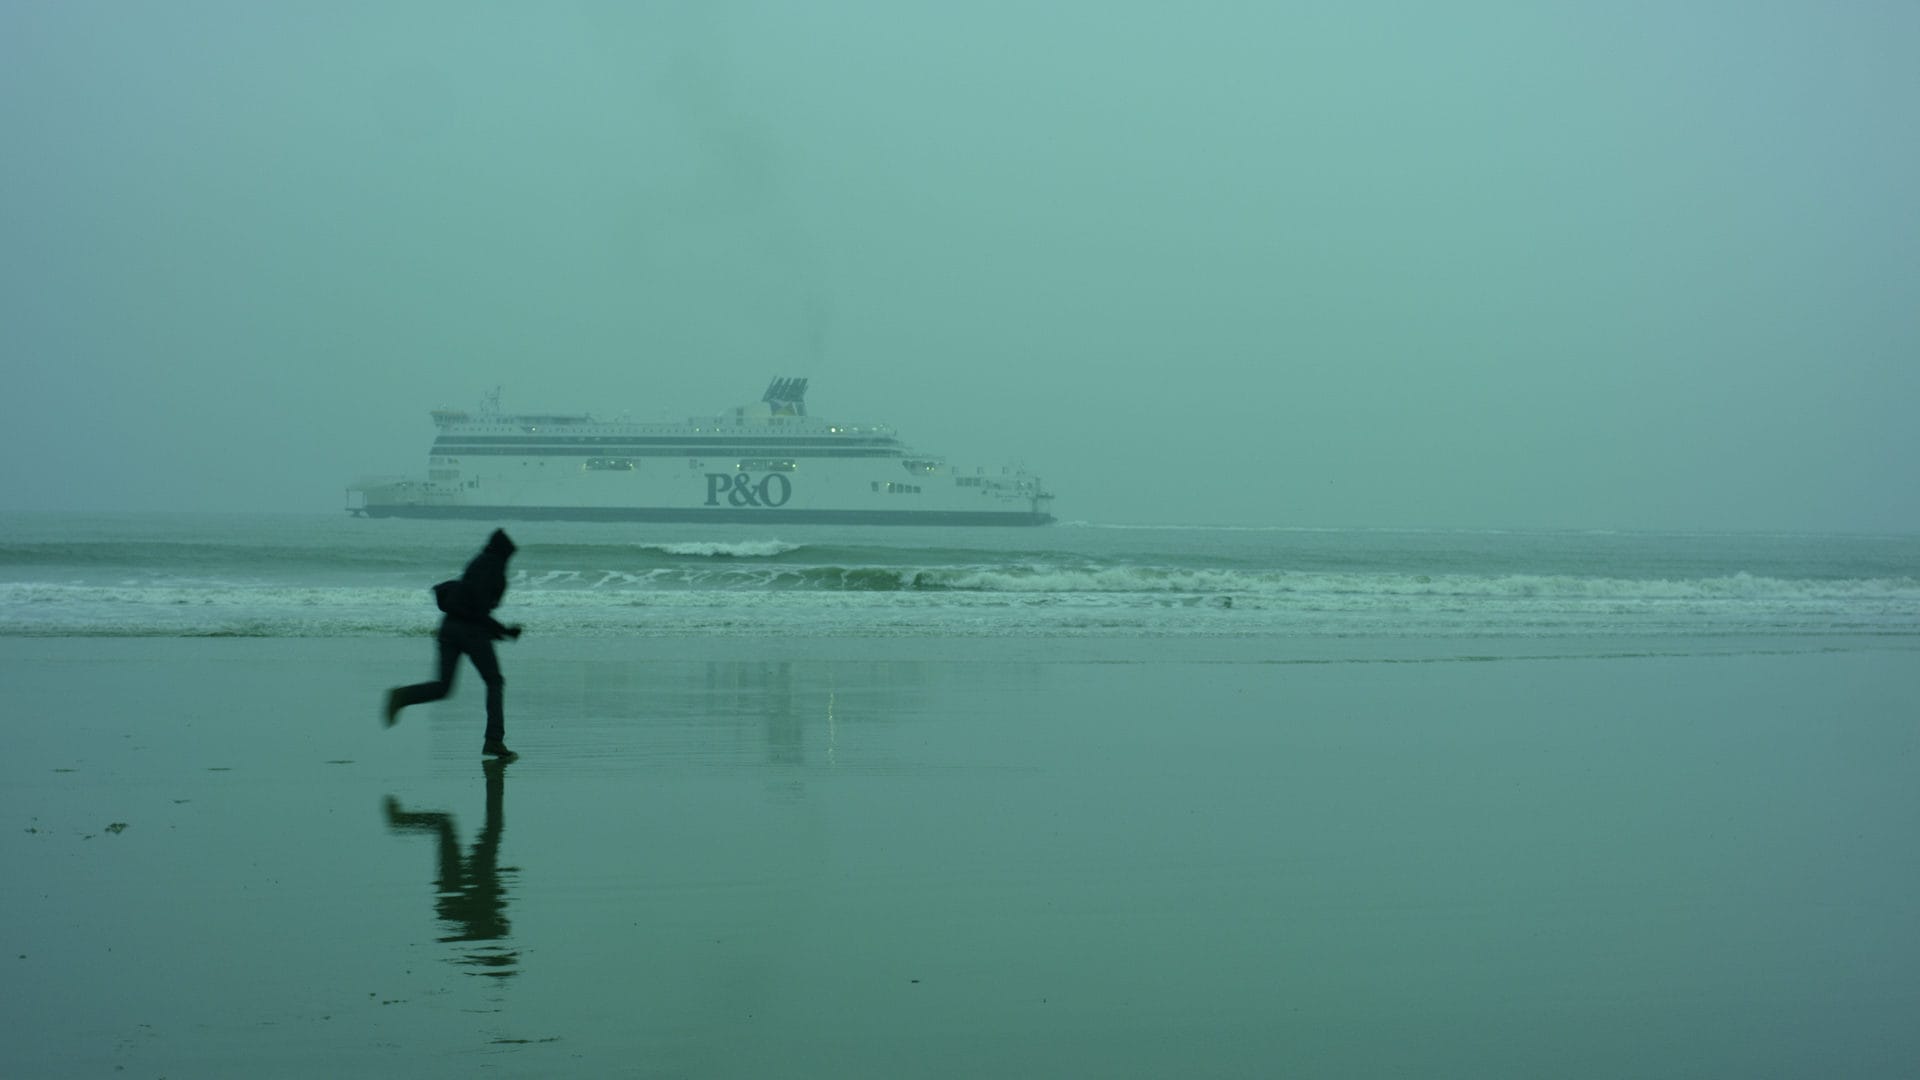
pixel 787 397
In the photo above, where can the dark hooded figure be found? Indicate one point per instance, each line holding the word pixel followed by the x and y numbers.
pixel 470 628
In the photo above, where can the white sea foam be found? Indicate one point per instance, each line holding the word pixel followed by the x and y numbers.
pixel 1125 527
pixel 745 549
pixel 1019 601
pixel 273 577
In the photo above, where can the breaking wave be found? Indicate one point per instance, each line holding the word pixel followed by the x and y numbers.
pixel 966 601
pixel 748 549
pixel 300 576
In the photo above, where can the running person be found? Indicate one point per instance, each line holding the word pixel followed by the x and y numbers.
pixel 470 629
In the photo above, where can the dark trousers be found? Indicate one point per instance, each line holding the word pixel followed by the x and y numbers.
pixel 475 640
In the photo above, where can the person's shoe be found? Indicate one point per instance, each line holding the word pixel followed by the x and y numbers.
pixel 499 750
pixel 392 715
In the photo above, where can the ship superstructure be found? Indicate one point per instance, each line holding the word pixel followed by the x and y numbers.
pixel 767 462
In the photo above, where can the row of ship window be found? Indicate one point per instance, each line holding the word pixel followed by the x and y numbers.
pixel 781 439
pixel 749 464
pixel 626 465
pixel 717 450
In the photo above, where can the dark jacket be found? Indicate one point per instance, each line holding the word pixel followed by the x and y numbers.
pixel 483 584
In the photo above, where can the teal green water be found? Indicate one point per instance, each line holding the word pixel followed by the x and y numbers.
pixel 307 576
pixel 962 858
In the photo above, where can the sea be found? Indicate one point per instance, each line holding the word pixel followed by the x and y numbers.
pixel 1092 799
pixel 292 575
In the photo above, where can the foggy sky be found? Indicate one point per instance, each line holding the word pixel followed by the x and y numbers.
pixel 1623 265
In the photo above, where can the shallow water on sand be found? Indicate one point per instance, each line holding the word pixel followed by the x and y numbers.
pixel 963 858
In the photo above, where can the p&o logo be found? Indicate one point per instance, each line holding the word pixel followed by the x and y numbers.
pixel 740 489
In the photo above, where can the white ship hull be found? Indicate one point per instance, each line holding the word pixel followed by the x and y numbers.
pixel 768 463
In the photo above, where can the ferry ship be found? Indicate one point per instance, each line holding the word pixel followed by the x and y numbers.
pixel 764 463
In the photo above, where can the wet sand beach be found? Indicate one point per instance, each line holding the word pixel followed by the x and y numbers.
pixel 963 858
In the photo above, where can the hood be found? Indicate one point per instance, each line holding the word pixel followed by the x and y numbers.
pixel 501 543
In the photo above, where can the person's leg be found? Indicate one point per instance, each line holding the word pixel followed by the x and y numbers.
pixel 488 665
pixel 401 697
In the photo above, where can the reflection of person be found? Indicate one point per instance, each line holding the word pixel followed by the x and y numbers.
pixel 470 628
pixel 472 901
